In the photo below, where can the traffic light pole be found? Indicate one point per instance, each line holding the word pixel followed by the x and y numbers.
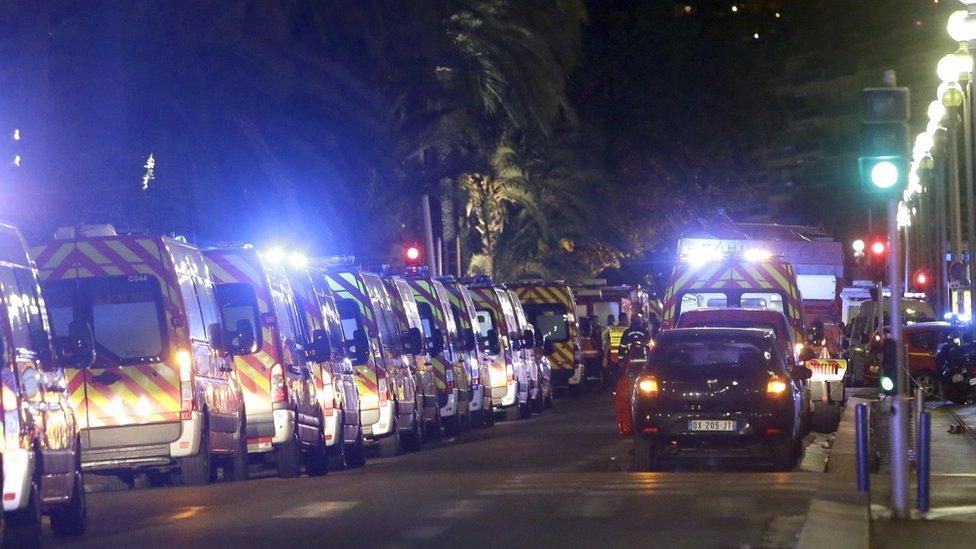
pixel 899 402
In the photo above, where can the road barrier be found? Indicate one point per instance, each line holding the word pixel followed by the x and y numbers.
pixel 863 449
pixel 924 453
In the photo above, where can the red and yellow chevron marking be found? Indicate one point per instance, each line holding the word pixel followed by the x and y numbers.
pixel 143 394
pixel 563 356
pixel 367 385
pixel 735 275
pixel 424 292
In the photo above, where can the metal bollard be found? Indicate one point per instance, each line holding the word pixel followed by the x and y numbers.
pixel 924 449
pixel 863 449
pixel 919 408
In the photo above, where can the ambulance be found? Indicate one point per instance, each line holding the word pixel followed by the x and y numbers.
pixel 415 344
pixel 751 279
pixel 161 395
pixel 258 307
pixel 462 305
pixel 41 465
pixel 387 391
pixel 448 353
pixel 551 308
pixel 332 370
pixel 499 338
pixel 540 371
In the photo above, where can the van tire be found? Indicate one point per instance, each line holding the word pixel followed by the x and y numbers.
pixel 451 425
pixel 317 460
pixel 646 454
pixel 196 470
pixel 356 454
pixel 414 440
pixel 336 454
pixel 72 518
pixel 24 526
pixel 236 468
pixel 288 457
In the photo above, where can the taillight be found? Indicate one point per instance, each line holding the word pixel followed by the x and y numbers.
pixel 383 390
pixel 184 360
pixel 449 378
pixel 647 386
pixel 327 393
pixel 510 372
pixel 775 386
pixel 278 392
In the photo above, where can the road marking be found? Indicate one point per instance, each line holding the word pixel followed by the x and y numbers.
pixel 187 513
pixel 321 509
pixel 461 508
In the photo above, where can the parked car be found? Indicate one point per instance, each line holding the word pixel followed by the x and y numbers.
pixel 41 462
pixel 923 341
pixel 161 395
pixel 722 392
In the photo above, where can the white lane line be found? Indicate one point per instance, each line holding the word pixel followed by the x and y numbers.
pixel 320 509
pixel 462 508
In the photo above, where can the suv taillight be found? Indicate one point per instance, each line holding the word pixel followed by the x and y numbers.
pixel 775 387
pixel 647 386
pixel 278 392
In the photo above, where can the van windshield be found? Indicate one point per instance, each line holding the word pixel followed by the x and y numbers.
pixel 125 313
pixel 550 319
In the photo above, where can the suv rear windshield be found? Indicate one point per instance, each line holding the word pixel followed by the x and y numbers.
pixel 125 313
pixel 715 354
pixel 728 324
pixel 550 319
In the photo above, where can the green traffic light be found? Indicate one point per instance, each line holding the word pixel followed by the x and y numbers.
pixel 885 174
pixel 887 384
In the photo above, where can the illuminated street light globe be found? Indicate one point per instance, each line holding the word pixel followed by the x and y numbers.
pixel 950 93
pixel 954 67
pixel 926 162
pixel 924 142
pixel 962 26
pixel 936 111
pixel 858 246
pixel 884 174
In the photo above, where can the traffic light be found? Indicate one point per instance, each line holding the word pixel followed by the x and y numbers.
pixel 887 381
pixel 922 279
pixel 877 258
pixel 884 141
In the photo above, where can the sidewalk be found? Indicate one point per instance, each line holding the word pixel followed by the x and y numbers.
pixel 951 520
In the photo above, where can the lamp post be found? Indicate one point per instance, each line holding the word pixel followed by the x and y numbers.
pixel 962 28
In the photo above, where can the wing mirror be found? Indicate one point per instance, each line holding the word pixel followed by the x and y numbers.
pixel 548 347
pixel 802 373
pixel 78 347
pixel 516 341
pixel 215 334
pixel 470 343
pixel 436 343
pixel 494 346
pixel 319 349
pixel 358 347
pixel 242 341
pixel 529 339
pixel 413 341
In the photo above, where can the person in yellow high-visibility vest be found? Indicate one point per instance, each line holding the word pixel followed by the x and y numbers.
pixel 611 351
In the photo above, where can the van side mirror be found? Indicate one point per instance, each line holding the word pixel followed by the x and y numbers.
pixel 470 343
pixel 215 334
pixel 413 341
pixel 78 347
pixel 491 340
pixel 319 349
pixel 548 347
pixel 358 348
pixel 529 339
pixel 516 341
pixel 801 372
pixel 436 342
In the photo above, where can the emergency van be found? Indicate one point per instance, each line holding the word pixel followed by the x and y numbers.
pixel 498 334
pixel 462 306
pixel 540 372
pixel 754 279
pixel 452 374
pixel 161 395
pixel 259 311
pixel 39 440
pixel 415 344
pixel 387 391
pixel 551 308
pixel 335 378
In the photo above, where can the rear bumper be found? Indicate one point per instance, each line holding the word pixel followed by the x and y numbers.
pixel 450 409
pixel 751 429
pixel 477 398
pixel 504 396
pixel 18 469
pixel 129 447
pixel 383 426
pixel 265 429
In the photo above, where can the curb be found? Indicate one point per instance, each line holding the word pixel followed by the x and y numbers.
pixel 839 515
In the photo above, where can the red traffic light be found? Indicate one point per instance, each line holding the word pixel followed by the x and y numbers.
pixel 413 253
pixel 878 247
pixel 922 279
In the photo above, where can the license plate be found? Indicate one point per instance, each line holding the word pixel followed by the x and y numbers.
pixel 957 378
pixel 711 425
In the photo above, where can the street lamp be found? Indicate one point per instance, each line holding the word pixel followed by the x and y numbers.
pixel 858 246
pixel 962 25
pixel 951 94
pixel 936 111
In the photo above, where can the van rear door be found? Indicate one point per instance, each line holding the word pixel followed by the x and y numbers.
pixel 134 380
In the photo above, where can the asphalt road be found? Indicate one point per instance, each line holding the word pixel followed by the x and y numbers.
pixel 555 480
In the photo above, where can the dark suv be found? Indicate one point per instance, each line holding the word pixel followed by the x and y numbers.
pixel 721 392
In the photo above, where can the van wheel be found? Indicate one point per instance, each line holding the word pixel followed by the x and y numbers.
pixel 538 405
pixel 414 440
pixel 451 425
pixel 24 526
pixel 478 418
pixel 525 410
pixel 646 454
pixel 929 384
pixel 549 398
pixel 288 456
pixel 196 470
pixel 317 461
pixel 356 454
pixel 236 467
pixel 72 519
pixel 337 452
